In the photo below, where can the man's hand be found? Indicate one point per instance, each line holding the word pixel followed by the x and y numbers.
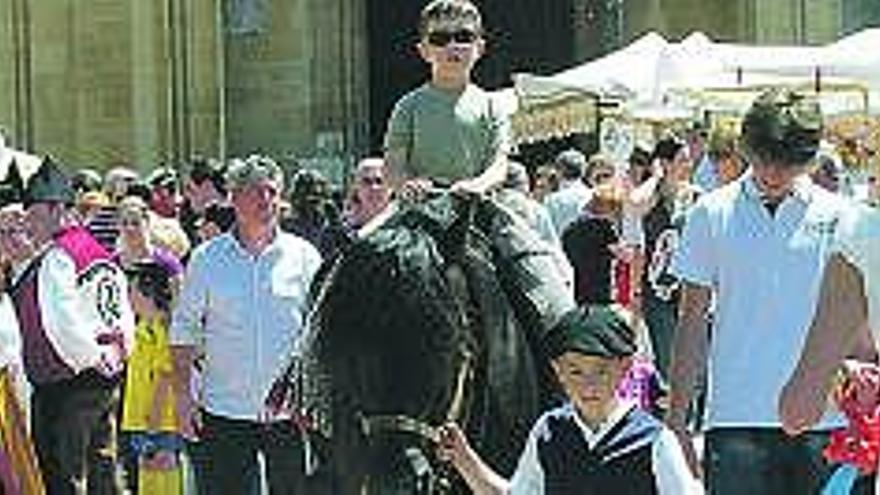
pixel 279 400
pixel 188 417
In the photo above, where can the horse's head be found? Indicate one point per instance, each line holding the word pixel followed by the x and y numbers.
pixel 415 325
pixel 393 332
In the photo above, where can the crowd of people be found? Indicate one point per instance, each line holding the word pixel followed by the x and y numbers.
pixel 151 314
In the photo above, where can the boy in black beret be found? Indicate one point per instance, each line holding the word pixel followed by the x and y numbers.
pixel 595 443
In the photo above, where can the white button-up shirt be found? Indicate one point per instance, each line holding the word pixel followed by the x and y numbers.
pixel 765 271
pixel 245 312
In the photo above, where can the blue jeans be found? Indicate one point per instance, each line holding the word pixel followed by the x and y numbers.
pixel 759 461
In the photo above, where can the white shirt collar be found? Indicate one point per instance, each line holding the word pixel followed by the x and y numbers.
pixel 801 188
pixel 593 436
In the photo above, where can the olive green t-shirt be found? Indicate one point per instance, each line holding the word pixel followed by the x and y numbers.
pixel 446 135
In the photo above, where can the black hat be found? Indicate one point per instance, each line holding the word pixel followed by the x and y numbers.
pixel 783 127
pixel 594 330
pixel 12 186
pixel 153 280
pixel 49 184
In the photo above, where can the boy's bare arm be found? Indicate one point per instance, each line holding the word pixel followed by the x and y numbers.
pixel 479 476
pixel 840 316
pixel 396 166
pixel 689 355
pixel 493 176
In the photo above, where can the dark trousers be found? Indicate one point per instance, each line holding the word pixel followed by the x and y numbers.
pixel 231 447
pixel 74 429
pixel 760 461
pixel 661 317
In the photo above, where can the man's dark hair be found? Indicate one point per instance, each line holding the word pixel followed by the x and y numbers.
pixel 783 127
pixel 86 180
pixel 667 148
pixel 202 168
pixel 141 190
pixel 220 214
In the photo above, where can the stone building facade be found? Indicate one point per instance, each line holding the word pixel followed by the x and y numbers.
pixel 102 82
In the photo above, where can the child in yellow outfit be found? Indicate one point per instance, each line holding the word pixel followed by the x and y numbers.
pixel 149 419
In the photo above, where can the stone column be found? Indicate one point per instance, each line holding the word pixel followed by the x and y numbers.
pixel 296 80
pixel 15 107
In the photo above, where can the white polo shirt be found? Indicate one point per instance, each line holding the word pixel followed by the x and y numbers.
pixel 765 271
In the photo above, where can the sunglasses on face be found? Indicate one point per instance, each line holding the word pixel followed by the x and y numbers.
pixel 372 181
pixel 443 38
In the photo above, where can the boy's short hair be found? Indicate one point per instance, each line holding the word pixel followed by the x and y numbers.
pixel 455 10
pixel 603 330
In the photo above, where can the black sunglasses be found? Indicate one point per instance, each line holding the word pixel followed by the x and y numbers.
pixel 443 38
pixel 371 181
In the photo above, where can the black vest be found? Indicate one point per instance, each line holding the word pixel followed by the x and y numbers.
pixel 620 464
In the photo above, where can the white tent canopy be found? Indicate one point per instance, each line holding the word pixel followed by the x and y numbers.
pixel 654 75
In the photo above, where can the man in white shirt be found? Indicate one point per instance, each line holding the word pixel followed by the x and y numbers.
pixel 566 204
pixel 757 247
pixel 243 306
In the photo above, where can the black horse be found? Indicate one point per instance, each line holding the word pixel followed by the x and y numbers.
pixel 435 316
